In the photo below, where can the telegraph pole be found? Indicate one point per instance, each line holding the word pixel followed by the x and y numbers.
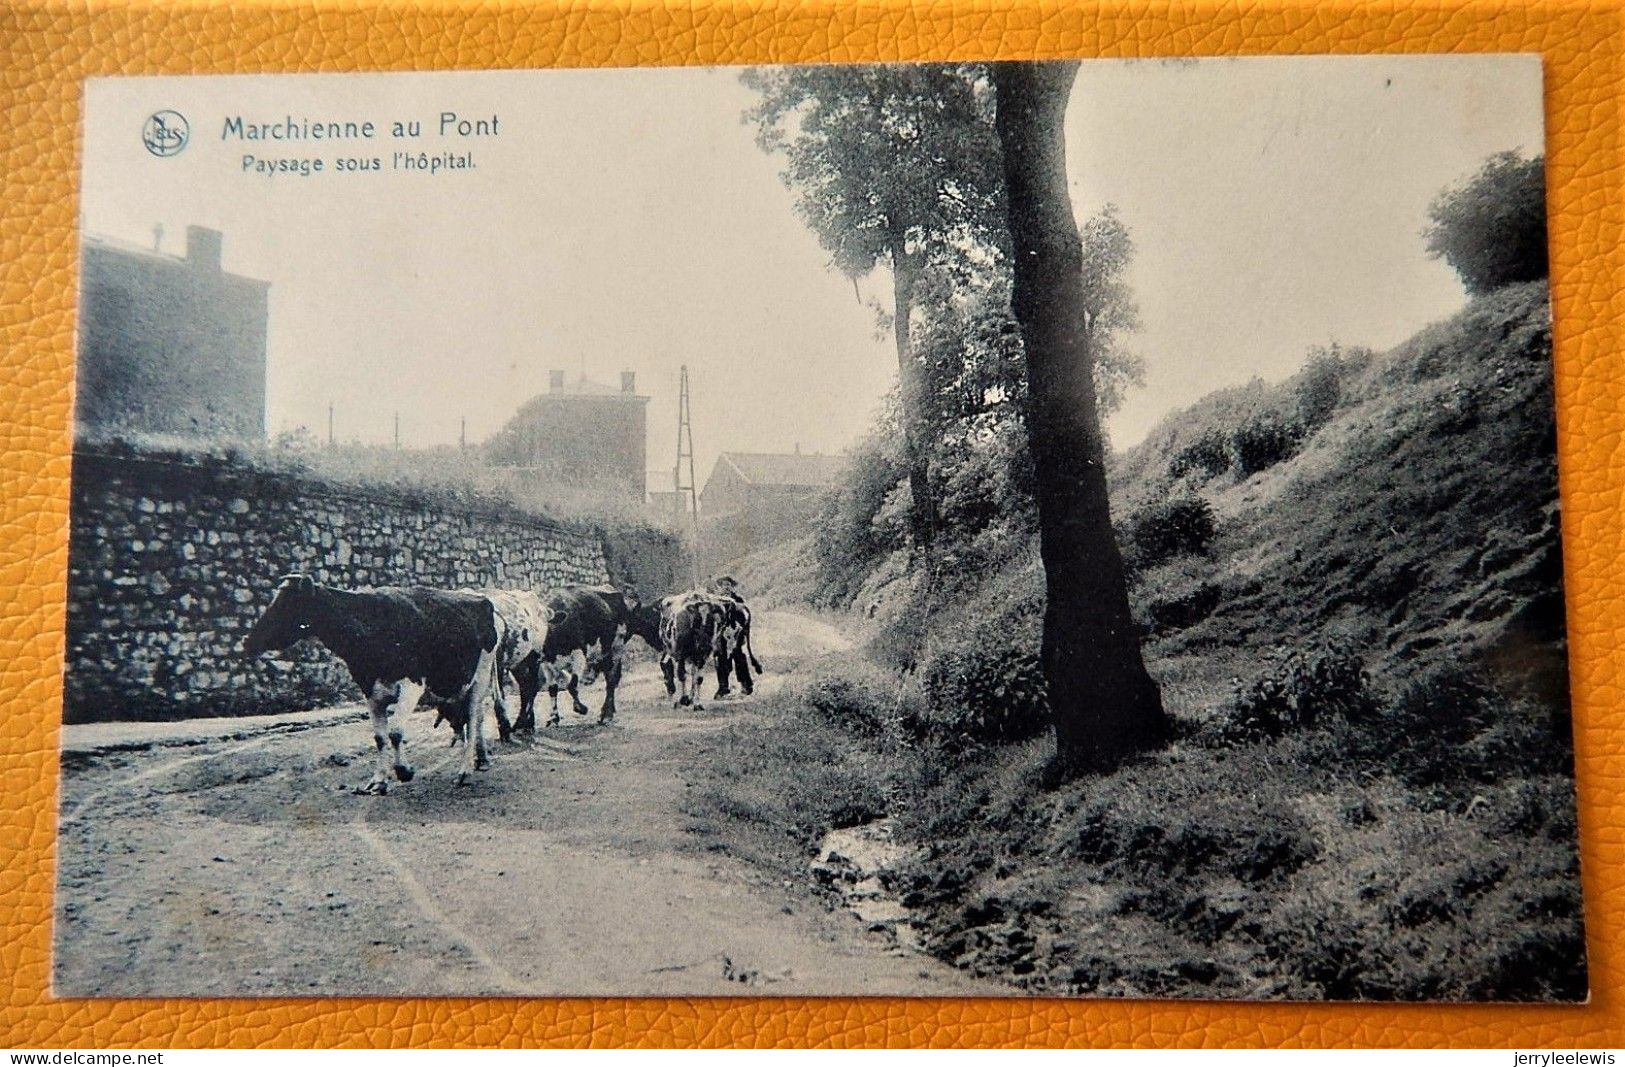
pixel 685 452
pixel 329 424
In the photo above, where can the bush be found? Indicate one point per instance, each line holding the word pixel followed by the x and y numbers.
pixel 1263 441
pixel 1298 689
pixel 1320 386
pixel 981 672
pixel 1208 455
pixel 861 700
pixel 1492 228
pixel 1183 526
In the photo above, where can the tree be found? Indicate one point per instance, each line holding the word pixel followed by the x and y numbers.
pixel 893 165
pixel 1492 228
pixel 1104 704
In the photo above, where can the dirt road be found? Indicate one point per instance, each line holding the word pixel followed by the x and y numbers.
pixel 239 864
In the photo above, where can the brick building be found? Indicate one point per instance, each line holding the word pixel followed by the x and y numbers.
pixel 580 432
pixel 170 344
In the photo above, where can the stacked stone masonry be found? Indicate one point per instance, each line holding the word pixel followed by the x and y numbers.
pixel 171 563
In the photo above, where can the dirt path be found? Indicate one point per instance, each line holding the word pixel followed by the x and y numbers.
pixel 241 865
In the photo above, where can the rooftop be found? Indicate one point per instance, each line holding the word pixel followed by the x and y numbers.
pixel 784 468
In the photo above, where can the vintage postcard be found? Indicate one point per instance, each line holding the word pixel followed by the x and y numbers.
pixel 1065 529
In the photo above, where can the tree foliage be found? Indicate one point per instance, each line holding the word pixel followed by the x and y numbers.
pixel 893 165
pixel 1492 228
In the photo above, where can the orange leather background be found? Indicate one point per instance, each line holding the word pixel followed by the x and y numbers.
pixel 49 47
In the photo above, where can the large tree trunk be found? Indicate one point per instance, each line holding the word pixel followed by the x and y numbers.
pixel 906 268
pixel 1105 706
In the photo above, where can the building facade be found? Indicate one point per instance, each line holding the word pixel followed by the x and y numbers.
pixel 580 433
pixel 170 344
pixel 768 483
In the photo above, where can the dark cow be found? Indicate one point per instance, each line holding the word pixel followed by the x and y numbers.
pixel 398 644
pixel 590 624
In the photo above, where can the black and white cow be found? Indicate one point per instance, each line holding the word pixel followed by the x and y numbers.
pixel 398 644
pixel 587 635
pixel 525 622
pixel 693 629
pixel 718 619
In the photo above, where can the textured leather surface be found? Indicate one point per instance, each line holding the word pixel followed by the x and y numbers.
pixel 48 48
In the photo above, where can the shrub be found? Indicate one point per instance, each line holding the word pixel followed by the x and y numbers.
pixel 1178 527
pixel 981 673
pixel 1208 455
pixel 1492 228
pixel 860 700
pixel 1299 688
pixel 1263 441
pixel 1320 386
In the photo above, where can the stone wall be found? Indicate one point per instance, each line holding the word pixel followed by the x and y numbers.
pixel 171 562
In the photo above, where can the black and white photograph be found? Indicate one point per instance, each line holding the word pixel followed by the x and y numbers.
pixel 991 529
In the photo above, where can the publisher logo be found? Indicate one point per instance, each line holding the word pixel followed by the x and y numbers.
pixel 165 133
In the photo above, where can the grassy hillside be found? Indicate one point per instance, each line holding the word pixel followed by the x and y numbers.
pixel 1347 587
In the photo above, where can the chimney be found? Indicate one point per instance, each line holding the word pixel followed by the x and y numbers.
pixel 629 382
pixel 203 249
pixel 555 381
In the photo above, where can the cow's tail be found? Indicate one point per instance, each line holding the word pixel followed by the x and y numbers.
pixel 751 652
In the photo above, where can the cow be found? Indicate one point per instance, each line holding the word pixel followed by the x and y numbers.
pixel 731 644
pixel 693 628
pixel 398 643
pixel 525 622
pixel 590 625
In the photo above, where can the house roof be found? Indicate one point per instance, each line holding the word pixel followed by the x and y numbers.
pixel 131 250
pixel 585 386
pixel 784 468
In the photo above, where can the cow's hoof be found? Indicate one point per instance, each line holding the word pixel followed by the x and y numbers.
pixel 404 772
pixel 684 702
pixel 582 709
pixel 462 777
pixel 375 788
pixel 554 721
pixel 482 765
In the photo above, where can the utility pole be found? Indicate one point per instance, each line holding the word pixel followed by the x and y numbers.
pixel 397 429
pixel 462 436
pixel 330 424
pixel 685 451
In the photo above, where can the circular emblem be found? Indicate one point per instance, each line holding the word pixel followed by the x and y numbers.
pixel 165 133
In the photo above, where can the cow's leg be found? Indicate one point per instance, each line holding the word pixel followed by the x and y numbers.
pixel 553 695
pixel 696 678
pixel 379 783
pixel 668 671
pixel 475 757
pixel 500 699
pixel 612 678
pixel 528 675
pixel 683 699
pixel 407 695
pixel 581 670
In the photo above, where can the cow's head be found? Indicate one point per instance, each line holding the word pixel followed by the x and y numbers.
pixel 643 620
pixel 287 620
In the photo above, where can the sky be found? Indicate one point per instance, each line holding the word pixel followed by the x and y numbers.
pixel 626 220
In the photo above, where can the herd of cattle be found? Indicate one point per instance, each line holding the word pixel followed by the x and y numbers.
pixel 460 648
